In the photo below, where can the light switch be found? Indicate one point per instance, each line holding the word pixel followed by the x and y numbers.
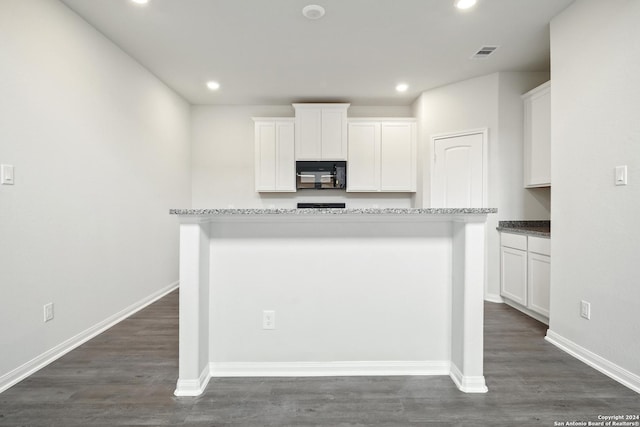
pixel 6 174
pixel 621 175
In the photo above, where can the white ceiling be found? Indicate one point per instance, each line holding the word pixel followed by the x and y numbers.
pixel 266 52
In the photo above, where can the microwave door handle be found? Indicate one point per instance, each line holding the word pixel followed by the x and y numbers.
pixel 327 179
pixel 306 178
pixel 304 175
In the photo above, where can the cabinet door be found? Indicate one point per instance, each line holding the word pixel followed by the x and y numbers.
pixel 334 138
pixel 398 157
pixel 265 156
pixel 308 134
pixel 513 275
pixel 363 163
pixel 537 137
pixel 539 268
pixel 285 159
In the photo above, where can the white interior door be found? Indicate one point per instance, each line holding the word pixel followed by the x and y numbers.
pixel 459 171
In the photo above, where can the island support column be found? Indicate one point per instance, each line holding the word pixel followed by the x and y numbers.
pixel 194 372
pixel 467 321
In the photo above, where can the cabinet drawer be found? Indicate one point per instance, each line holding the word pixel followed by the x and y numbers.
pixel 516 241
pixel 540 245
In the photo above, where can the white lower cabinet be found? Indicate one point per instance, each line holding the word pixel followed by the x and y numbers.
pixel 275 165
pixel 381 155
pixel 538 282
pixel 514 274
pixel 525 273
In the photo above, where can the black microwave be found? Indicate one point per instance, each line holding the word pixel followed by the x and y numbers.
pixel 321 175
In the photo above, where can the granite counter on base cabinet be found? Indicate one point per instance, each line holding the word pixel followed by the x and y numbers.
pixel 525 266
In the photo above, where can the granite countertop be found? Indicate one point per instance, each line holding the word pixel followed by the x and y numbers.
pixel 531 228
pixel 362 211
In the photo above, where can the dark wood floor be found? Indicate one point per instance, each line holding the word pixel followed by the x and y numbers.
pixel 126 376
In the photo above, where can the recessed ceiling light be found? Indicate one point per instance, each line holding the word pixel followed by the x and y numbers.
pixel 140 1
pixel 402 87
pixel 464 4
pixel 313 11
pixel 213 85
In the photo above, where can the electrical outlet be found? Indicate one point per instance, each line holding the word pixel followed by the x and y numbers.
pixel 585 310
pixel 268 319
pixel 48 312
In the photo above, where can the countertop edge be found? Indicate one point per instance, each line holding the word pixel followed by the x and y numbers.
pixel 538 228
pixel 337 212
pixel 545 234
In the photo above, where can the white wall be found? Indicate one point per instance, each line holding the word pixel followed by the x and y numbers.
pixel 492 102
pixel 101 152
pixel 595 127
pixel 223 160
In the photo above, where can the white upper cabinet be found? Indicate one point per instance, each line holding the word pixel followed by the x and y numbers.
pixel 274 155
pixel 363 166
pixel 308 133
pixel 334 133
pixel 321 131
pixel 382 155
pixel 537 136
pixel 398 156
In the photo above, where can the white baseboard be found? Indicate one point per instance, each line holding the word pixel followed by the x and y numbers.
pixel 539 317
pixel 192 388
pixel 467 384
pixel 329 369
pixel 493 298
pixel 10 379
pixel 619 374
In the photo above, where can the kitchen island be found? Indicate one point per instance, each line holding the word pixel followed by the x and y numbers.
pixel 309 292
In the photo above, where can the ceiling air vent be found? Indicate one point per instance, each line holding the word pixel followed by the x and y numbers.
pixel 484 52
